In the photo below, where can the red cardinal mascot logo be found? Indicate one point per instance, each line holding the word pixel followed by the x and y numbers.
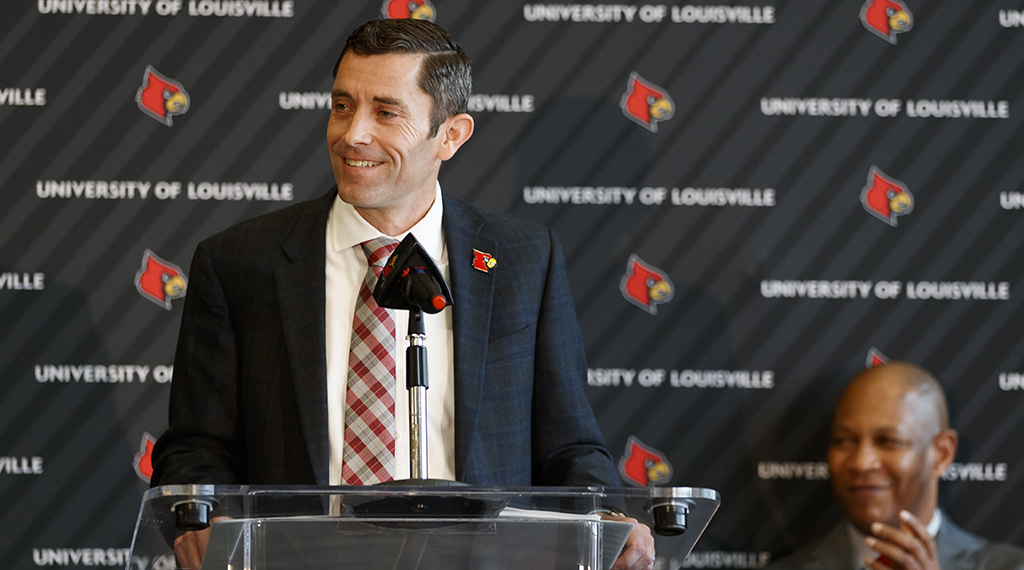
pixel 160 281
pixel 875 358
pixel 644 466
pixel 144 458
pixel 408 9
pixel 645 286
pixel 646 103
pixel 483 261
pixel 886 18
pixel 885 197
pixel 161 97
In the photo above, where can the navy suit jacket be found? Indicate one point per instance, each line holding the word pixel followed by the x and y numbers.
pixel 248 399
pixel 957 550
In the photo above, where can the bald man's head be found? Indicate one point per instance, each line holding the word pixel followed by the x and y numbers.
pixel 921 388
pixel 890 444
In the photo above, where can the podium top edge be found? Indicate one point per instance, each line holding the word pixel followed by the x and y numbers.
pixel 304 490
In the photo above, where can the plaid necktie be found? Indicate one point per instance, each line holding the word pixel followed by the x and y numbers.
pixel 370 398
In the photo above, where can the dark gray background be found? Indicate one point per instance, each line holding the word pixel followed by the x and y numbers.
pixel 234 70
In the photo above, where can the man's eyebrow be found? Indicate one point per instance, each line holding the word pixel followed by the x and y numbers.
pixel 377 98
pixel 388 101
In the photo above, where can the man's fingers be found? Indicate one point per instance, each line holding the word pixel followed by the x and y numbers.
pixel 635 557
pixel 912 525
pixel 901 558
pixel 638 553
pixel 190 547
pixel 908 542
pixel 628 559
pixel 202 537
pixel 186 551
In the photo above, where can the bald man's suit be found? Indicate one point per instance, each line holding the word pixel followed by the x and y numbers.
pixel 957 549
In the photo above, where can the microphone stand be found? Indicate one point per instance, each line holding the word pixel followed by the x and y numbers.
pixel 417 384
pixel 412 281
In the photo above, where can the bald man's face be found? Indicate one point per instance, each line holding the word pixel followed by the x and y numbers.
pixel 882 457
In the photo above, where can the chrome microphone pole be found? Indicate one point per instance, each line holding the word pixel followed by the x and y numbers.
pixel 416 382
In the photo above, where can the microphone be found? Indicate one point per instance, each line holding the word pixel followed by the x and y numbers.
pixel 412 281
pixel 422 290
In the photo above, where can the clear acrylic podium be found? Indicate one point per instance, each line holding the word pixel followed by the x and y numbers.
pixel 423 528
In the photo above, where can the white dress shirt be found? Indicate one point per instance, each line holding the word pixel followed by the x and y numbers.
pixel 345 269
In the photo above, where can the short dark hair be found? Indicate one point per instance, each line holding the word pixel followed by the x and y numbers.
pixel 445 73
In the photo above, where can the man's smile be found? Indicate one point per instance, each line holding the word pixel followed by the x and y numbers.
pixel 361 163
pixel 867 491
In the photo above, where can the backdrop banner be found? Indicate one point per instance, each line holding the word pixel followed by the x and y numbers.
pixel 756 198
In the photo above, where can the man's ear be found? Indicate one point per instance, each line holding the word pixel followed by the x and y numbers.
pixel 454 132
pixel 944 447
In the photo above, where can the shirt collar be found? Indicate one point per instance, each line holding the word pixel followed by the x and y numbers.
pixel 935 523
pixel 861 550
pixel 346 228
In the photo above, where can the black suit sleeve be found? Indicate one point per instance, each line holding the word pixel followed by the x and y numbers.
pixel 568 447
pixel 204 439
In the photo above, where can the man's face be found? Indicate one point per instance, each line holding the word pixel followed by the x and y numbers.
pixel 377 134
pixel 881 456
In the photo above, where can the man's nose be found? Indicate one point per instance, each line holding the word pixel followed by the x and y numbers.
pixel 865 457
pixel 360 130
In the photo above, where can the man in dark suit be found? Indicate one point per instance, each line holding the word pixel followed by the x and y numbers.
pixel 890 445
pixel 249 401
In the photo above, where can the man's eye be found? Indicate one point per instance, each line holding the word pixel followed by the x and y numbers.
pixel 386 114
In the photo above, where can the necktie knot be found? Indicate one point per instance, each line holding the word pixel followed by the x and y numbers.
pixel 378 250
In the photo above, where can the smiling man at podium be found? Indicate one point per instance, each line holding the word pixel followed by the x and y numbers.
pixel 286 368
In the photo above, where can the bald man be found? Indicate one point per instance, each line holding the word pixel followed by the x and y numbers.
pixel 890 445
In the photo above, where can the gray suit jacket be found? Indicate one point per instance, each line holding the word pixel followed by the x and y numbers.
pixel 958 550
pixel 248 399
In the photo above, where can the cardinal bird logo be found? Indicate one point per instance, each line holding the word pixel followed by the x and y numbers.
pixel 885 197
pixel 483 261
pixel 645 286
pixel 645 103
pixel 144 458
pixel 875 358
pixel 408 10
pixel 886 18
pixel 161 97
pixel 160 281
pixel 644 466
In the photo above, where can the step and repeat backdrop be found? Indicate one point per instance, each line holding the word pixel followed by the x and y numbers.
pixel 756 200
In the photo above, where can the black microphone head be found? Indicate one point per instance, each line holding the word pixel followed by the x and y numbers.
pixel 422 291
pixel 412 281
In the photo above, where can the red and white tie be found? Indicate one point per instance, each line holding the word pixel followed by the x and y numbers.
pixel 370 398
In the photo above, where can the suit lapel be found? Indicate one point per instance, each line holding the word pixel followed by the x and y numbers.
pixel 472 292
pixel 301 297
pixel 833 551
pixel 955 546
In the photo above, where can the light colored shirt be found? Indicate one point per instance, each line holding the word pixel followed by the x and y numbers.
pixel 345 269
pixel 861 550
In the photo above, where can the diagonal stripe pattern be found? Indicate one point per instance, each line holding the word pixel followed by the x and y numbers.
pixel 370 398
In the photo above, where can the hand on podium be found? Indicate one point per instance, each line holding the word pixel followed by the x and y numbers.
pixel 190 547
pixel 638 553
